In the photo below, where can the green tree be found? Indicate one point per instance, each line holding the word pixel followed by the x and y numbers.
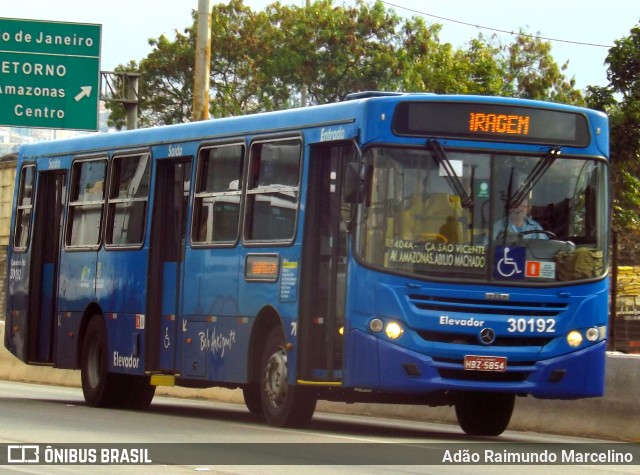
pixel 332 51
pixel 532 73
pixel 243 54
pixel 428 65
pixel 265 60
pixel 624 63
pixel 165 88
pixel 168 79
pixel 621 100
pixel 601 98
pixel 485 70
pixel 524 68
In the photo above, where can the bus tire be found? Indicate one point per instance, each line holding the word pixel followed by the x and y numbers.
pixel 485 414
pixel 252 398
pixel 283 405
pixel 100 388
pixel 139 392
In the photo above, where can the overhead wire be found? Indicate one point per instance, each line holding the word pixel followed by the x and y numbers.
pixel 497 30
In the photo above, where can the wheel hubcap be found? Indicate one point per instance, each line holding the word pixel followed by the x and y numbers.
pixel 276 377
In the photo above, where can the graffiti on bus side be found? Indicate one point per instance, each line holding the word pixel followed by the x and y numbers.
pixel 217 343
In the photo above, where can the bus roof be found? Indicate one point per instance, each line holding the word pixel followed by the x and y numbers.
pixel 266 122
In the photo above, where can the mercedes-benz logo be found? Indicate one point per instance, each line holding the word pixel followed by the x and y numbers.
pixel 487 336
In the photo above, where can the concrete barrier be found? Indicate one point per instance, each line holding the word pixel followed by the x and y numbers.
pixel 616 416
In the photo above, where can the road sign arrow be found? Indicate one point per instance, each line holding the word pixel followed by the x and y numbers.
pixel 85 92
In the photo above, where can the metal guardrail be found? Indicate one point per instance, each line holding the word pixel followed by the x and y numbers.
pixel 626 325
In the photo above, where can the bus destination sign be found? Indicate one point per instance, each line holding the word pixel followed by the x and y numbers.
pixel 49 74
pixel 481 122
pixel 495 122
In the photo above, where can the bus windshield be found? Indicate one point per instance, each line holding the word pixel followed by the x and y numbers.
pixel 485 216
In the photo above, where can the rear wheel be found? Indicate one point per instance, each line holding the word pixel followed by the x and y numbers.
pixel 137 392
pixel 283 405
pixel 100 388
pixel 484 413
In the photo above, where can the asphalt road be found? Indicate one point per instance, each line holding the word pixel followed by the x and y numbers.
pixel 188 436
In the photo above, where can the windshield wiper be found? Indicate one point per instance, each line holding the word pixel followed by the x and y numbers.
pixel 454 181
pixel 513 200
pixel 534 177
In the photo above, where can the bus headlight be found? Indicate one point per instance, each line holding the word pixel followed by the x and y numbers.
pixel 394 330
pixel 593 334
pixel 574 338
pixel 376 325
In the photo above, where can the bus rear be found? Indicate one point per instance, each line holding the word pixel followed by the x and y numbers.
pixel 479 267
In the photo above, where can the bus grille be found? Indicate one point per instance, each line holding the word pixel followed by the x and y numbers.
pixel 465 307
pixel 487 307
pixel 466 339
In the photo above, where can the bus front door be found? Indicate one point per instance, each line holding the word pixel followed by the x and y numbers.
pixel 166 256
pixel 324 265
pixel 45 256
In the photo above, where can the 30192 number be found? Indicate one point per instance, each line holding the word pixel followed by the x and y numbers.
pixel 532 325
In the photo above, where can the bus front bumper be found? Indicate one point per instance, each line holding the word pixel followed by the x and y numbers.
pixel 380 365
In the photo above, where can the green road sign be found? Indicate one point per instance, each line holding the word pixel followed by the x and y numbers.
pixel 49 74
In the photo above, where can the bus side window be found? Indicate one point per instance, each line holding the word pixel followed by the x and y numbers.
pixel 128 198
pixel 218 193
pixel 86 203
pixel 24 208
pixel 273 190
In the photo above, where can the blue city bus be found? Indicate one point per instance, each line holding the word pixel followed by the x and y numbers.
pixel 363 251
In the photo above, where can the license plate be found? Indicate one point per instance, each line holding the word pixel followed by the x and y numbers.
pixel 485 363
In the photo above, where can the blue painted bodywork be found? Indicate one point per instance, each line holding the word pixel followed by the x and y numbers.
pixel 376 362
pixel 206 327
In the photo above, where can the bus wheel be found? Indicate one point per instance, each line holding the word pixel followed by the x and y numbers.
pixel 283 405
pixel 484 413
pixel 139 392
pixel 100 388
pixel 252 398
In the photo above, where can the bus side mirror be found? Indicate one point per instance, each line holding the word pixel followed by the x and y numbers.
pixel 354 184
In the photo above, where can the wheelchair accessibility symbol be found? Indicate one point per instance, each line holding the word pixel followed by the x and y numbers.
pixel 509 263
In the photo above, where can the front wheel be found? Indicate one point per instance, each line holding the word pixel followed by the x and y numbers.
pixel 484 413
pixel 283 405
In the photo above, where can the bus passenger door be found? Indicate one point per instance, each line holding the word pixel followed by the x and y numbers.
pixel 45 256
pixel 324 267
pixel 166 255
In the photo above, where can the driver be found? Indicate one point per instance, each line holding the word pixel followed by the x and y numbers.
pixel 520 221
